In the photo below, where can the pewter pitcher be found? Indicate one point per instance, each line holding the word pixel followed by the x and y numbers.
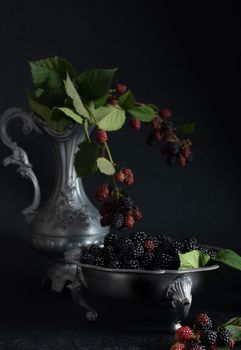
pixel 68 220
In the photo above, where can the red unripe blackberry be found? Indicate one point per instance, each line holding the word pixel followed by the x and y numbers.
pixel 129 177
pixel 119 176
pixel 156 134
pixel 213 347
pixel 121 88
pixel 135 123
pixel 137 213
pixel 186 152
pixel 178 346
pixel 184 334
pixel 181 160
pixel 165 113
pixel 106 219
pixel 149 245
pixel 231 344
pixel 103 192
pixel 156 122
pixel 203 322
pixel 129 222
pixel 112 100
pixel 101 136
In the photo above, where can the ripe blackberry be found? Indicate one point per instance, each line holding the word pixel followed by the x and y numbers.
pixel 167 126
pixel 209 338
pixel 111 239
pixel 137 251
pixel 203 322
pixel 109 254
pixel 88 259
pixel 172 160
pixel 184 334
pixel 125 244
pixel 114 264
pixel 132 264
pixel 117 220
pixel 211 252
pixel 147 260
pixel 163 261
pixel 95 250
pixel 173 246
pixel 139 236
pixel 190 244
pixel 100 261
pixel 224 337
pixel 197 347
pixel 126 204
pixel 173 148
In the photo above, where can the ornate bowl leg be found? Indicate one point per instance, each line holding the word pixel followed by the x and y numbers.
pixel 179 293
pixel 78 290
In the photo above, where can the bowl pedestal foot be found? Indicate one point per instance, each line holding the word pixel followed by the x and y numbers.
pixel 59 274
pixel 179 293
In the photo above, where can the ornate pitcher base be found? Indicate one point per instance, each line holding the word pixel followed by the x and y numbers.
pixel 60 274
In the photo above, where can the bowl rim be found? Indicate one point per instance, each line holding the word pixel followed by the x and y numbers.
pixel 71 257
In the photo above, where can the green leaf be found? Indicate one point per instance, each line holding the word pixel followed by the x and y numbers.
pixel 127 100
pixel 186 128
pixel 235 331
pixel 38 92
pixel 144 113
pixel 101 101
pixel 71 114
pixel 94 83
pixel 105 166
pixel 193 260
pixel 55 121
pixel 73 94
pixel 229 257
pixel 49 73
pixel 235 321
pixel 110 118
pixel 86 158
pixel 154 107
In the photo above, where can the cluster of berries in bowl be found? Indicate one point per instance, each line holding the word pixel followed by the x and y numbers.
pixel 140 251
pixel 203 336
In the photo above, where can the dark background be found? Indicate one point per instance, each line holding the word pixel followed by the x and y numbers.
pixel 180 55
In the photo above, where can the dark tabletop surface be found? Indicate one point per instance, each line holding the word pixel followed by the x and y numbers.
pixel 34 317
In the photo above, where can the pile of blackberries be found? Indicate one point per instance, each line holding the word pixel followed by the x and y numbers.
pixel 203 336
pixel 140 251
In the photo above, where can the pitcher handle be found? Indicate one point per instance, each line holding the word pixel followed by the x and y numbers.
pixel 19 157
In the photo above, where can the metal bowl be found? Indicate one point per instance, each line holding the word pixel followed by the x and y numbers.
pixel 171 289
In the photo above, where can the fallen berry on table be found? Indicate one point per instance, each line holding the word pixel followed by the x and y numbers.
pixel 178 346
pixel 181 160
pixel 172 160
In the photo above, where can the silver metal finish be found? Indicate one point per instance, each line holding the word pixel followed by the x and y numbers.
pixel 170 288
pixel 179 291
pixel 68 220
